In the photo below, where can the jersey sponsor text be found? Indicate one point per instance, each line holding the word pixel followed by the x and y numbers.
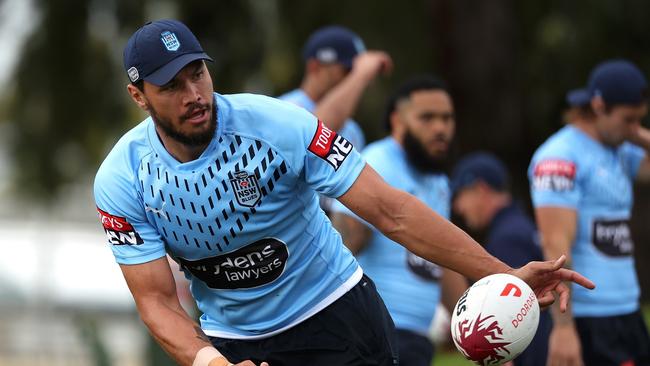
pixel 330 146
pixel 118 230
pixel 554 175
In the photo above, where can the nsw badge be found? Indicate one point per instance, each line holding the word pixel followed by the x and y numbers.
pixel 246 188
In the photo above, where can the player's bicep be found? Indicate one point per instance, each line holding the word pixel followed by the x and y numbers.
pixel 150 282
pixel 372 199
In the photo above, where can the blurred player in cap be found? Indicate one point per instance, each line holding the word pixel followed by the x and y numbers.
pixel 480 187
pixel 581 185
pixel 226 184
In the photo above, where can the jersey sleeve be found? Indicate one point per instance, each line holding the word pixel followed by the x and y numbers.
pixel 331 163
pixel 554 181
pixel 132 238
pixel 632 156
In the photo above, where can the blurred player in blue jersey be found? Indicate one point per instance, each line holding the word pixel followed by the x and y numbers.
pixel 420 117
pixel 581 183
pixel 480 187
pixel 226 185
pixel 338 68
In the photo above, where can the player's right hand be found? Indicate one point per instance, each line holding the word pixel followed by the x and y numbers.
pixel 564 347
pixel 371 63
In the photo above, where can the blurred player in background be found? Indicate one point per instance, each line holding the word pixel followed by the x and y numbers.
pixel 480 187
pixel 338 68
pixel 420 118
pixel 581 186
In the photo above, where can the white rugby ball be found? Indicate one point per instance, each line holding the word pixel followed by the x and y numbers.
pixel 495 319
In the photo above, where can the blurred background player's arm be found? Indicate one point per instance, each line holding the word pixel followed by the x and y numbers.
pixel 341 101
pixel 557 228
pixel 641 137
pixel 452 285
pixel 154 290
pixel 355 234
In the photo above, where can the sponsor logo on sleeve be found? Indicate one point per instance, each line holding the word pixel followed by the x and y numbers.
pixel 251 266
pixel 554 175
pixel 613 237
pixel 118 230
pixel 330 146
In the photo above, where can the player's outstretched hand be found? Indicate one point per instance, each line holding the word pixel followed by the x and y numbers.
pixel 371 63
pixel 546 277
pixel 250 363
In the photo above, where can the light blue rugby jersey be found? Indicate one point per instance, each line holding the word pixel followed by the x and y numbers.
pixel 350 130
pixel 574 171
pixel 243 219
pixel 407 283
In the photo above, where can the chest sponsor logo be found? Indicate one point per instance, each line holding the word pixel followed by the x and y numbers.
pixel 330 146
pixel 246 188
pixel 118 230
pixel 612 237
pixel 423 268
pixel 254 265
pixel 554 175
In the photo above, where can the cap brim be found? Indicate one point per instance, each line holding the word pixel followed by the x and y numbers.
pixel 164 74
pixel 578 97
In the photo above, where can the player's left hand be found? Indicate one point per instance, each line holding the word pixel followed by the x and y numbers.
pixel 640 136
pixel 545 278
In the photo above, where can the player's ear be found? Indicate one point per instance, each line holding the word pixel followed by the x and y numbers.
pixel 396 123
pixel 137 96
pixel 598 105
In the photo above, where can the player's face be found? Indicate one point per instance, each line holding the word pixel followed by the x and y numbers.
pixel 468 204
pixel 619 124
pixel 429 118
pixel 332 74
pixel 183 108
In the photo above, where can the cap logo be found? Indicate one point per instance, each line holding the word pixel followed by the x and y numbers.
pixel 326 55
pixel 170 41
pixel 133 74
pixel 358 45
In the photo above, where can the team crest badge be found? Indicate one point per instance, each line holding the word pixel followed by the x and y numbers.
pixel 246 188
pixel 170 41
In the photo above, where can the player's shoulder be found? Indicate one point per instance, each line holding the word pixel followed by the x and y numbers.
pixel 123 159
pixel 563 144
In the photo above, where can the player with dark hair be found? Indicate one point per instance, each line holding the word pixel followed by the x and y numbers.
pixel 581 185
pixel 421 119
pixel 226 184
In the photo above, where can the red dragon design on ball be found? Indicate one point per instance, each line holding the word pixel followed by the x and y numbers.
pixel 481 343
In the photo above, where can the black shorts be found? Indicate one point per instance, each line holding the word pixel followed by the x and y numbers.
pixel 414 349
pixel 354 330
pixel 615 340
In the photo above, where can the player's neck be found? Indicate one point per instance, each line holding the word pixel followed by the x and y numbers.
pixel 313 88
pixel 588 127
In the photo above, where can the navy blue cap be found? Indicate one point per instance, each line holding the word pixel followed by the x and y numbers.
pixel 480 166
pixel 616 81
pixel 333 44
pixel 159 50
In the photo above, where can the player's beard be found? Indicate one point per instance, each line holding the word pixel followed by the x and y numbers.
pixel 189 139
pixel 421 159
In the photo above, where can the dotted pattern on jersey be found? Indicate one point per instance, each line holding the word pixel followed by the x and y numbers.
pixel 199 208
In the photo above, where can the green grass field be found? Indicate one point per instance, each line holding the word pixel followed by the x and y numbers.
pixel 451 357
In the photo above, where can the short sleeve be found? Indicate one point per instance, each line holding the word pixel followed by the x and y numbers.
pixel 331 163
pixel 554 182
pixel 632 156
pixel 132 238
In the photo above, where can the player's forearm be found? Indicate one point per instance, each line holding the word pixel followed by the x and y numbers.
pixel 434 238
pixel 173 329
pixel 339 103
pixel 355 234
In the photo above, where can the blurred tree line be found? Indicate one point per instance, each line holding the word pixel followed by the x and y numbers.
pixel 508 64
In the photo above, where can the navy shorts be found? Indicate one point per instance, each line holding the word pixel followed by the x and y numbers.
pixel 354 330
pixel 614 340
pixel 414 349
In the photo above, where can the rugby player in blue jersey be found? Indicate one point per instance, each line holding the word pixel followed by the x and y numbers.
pixel 227 186
pixel 581 185
pixel 413 158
